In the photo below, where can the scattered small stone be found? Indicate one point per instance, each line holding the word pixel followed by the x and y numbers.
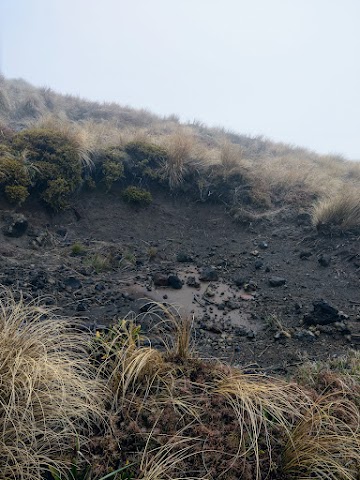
pixel 239 280
pixel 174 282
pixel 251 286
pixel 263 245
pixel 305 335
pixel 16 226
pixel 183 257
pixel 72 283
pixel 160 279
pixel 209 274
pixel 61 231
pixel 324 260
pixel 258 264
pixel 305 254
pixel 323 314
pixel 99 287
pixel 192 282
pixel 276 281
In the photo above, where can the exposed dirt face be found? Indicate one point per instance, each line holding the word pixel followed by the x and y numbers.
pixel 250 310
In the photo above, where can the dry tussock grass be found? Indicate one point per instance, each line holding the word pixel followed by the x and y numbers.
pixel 184 155
pixel 283 173
pixel 184 418
pixel 341 210
pixel 83 141
pixel 326 442
pixel 49 397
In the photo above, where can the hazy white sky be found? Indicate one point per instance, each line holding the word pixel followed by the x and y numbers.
pixel 288 69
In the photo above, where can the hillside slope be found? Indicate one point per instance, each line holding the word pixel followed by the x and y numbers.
pixel 121 220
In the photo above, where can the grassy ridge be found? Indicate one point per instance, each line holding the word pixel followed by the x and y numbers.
pixel 263 175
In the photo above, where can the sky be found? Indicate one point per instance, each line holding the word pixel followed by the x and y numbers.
pixel 285 69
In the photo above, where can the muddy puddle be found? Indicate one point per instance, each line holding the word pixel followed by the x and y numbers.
pixel 217 301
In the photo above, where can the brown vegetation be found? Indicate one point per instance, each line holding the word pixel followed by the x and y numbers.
pixel 274 174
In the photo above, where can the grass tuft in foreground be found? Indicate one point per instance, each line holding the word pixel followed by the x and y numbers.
pixel 49 397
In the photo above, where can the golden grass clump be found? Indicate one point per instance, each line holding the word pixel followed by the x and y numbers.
pixel 326 442
pixel 83 140
pixel 49 397
pixel 184 154
pixel 259 404
pixel 341 210
pixel 182 417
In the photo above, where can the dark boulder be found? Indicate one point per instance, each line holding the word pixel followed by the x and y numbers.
pixel 16 225
pixel 209 274
pixel 276 281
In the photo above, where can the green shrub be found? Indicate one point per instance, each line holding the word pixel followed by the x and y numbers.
pixel 112 167
pixel 137 196
pixel 140 151
pixel 13 172
pixel 99 263
pixel 146 159
pixel 57 193
pixel 16 193
pixel 56 161
pixel 77 249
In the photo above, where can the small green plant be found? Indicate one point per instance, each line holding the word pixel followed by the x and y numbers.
pixel 137 196
pixel 152 252
pixel 57 193
pixel 100 263
pixel 56 164
pixel 145 159
pixel 16 194
pixel 112 169
pixel 77 249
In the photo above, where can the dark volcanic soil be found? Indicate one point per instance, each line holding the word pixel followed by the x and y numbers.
pixel 254 306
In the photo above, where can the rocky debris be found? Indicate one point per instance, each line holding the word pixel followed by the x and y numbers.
pixel 174 282
pixel 305 335
pixel 209 274
pixel 239 280
pixel 160 279
pixel 16 225
pixel 182 257
pixel 276 281
pixel 38 279
pixel 163 280
pixel 258 264
pixel 323 314
pixel 305 254
pixel 62 232
pixel 192 282
pixel 263 245
pixel 39 238
pixel 250 286
pixel 324 260
pixel 72 283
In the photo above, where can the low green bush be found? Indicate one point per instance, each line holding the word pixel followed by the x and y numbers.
pixel 112 166
pixel 137 196
pixel 55 158
pixel 145 159
pixel 16 194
